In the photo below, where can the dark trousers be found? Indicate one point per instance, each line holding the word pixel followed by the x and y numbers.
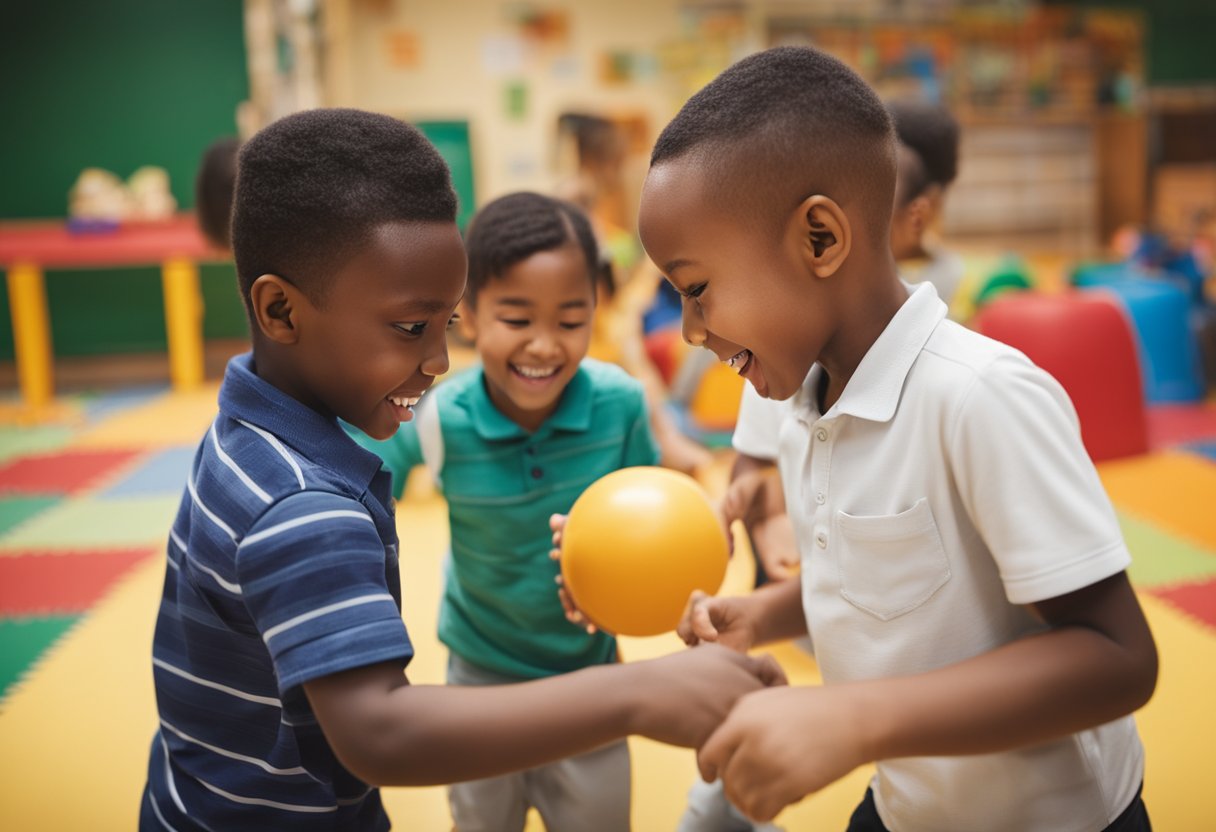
pixel 1132 819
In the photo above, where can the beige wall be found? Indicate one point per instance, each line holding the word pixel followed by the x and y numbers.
pixel 461 74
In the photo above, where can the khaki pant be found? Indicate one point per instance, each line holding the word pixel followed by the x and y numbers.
pixel 587 793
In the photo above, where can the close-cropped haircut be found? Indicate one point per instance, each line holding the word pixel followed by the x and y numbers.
pixel 931 131
pixel 213 187
pixel 312 187
pixel 514 227
pixel 785 124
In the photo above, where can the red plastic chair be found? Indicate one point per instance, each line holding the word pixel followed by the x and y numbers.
pixel 1084 340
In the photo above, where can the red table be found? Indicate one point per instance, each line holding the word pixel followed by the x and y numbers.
pixel 27 248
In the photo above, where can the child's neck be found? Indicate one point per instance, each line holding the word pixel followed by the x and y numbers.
pixel 273 367
pixel 866 307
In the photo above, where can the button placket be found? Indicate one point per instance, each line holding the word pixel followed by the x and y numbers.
pixel 822 467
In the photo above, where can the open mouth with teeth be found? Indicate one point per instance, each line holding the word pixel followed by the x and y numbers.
pixel 740 361
pixel 404 405
pixel 535 374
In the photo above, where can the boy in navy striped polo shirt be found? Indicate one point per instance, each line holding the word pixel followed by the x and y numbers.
pixel 279 650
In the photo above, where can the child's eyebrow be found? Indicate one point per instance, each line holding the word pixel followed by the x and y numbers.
pixel 679 263
pixel 578 303
pixel 422 306
pixel 514 302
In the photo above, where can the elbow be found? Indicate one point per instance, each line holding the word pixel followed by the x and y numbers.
pixel 389 756
pixel 1144 683
pixel 368 761
pixel 376 765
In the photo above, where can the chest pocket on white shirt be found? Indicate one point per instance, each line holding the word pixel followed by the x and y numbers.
pixel 890 564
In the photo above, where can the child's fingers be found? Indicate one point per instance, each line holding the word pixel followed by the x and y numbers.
pixel 695 625
pixel 573 614
pixel 767 670
pixel 557 524
pixel 714 755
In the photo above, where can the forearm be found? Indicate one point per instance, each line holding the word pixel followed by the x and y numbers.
pixel 763 497
pixel 777 612
pixel 1030 691
pixel 427 734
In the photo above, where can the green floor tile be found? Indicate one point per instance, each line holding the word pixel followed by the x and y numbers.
pixel 96 523
pixel 22 641
pixel 16 510
pixel 1159 559
pixel 18 441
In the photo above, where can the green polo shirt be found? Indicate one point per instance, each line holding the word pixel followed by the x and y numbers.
pixel 500 608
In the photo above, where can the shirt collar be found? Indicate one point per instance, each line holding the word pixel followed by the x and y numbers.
pixel 573 412
pixel 246 396
pixel 874 391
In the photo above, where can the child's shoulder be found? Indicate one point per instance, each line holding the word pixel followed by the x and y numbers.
pixel 242 470
pixel 609 381
pixel 965 366
pixel 970 354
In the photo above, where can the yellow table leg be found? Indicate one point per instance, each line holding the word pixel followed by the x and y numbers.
pixel 183 322
pixel 31 334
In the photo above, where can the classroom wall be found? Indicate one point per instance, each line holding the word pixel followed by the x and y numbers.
pixel 115 85
pixel 135 82
pixel 1180 43
pixel 419 60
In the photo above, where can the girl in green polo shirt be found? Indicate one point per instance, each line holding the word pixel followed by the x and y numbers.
pixel 509 443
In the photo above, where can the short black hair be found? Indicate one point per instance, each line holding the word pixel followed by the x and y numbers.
pixel 312 187
pixel 931 131
pixel 786 123
pixel 213 188
pixel 512 228
pixel 912 177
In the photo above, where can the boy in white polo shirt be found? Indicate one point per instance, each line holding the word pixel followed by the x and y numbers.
pixel 963 577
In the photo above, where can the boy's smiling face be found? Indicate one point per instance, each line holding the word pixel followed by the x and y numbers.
pixel 749 294
pixel 377 341
pixel 532 327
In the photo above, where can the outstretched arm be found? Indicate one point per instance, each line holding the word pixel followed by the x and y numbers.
pixel 389 732
pixel 1096 663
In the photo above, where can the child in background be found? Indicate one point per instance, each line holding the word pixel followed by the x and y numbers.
pixel 214 185
pixel 927 163
pixel 508 444
pixel 963 574
pixel 279 651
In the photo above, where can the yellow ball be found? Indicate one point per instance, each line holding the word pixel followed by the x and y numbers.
pixel 637 543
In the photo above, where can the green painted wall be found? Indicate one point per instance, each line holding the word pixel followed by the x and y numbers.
pixel 115 85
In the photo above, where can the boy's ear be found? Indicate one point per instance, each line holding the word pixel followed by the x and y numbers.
pixel 920 210
pixel 827 234
pixel 276 304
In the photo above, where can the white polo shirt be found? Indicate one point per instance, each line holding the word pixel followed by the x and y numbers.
pixel 946 489
pixel 758 424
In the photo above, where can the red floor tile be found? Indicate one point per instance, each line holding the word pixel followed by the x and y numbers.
pixel 1196 599
pixel 50 583
pixel 60 473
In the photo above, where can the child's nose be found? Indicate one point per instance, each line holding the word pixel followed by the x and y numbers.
pixel 692 328
pixel 544 345
pixel 436 362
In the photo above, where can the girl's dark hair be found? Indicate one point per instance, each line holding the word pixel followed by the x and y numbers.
pixel 512 228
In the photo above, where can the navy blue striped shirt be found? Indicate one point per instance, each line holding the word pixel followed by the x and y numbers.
pixel 282 568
